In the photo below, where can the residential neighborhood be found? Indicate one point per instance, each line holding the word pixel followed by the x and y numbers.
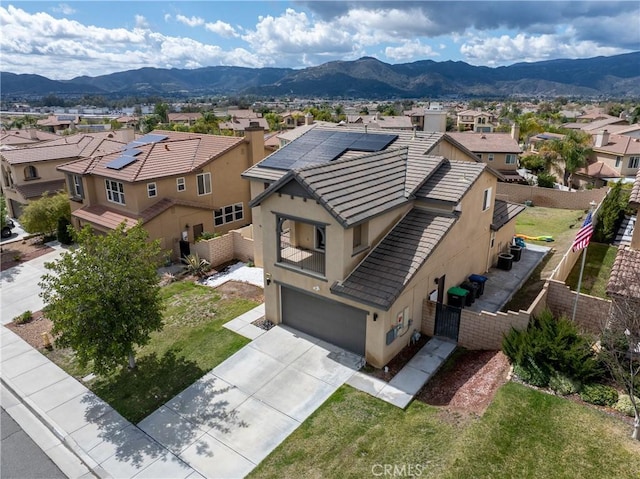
pixel 324 240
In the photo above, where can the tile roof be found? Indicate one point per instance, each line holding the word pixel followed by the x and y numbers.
pixel 503 212
pixel 110 218
pixel 634 198
pixel 353 190
pixel 37 189
pixel 390 266
pixel 25 137
pixel 451 181
pixel 64 148
pixel 625 274
pixel 620 145
pixel 599 169
pixel 241 124
pixel 180 153
pixel 487 142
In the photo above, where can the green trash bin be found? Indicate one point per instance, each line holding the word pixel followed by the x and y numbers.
pixel 457 296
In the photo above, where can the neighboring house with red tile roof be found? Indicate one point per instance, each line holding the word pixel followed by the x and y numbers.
pixel 475 120
pixel 178 184
pixel 614 157
pixel 55 123
pixel 499 150
pixel 29 136
pixel 184 118
pixel 239 125
pixel 355 228
pixel 30 171
pixel 624 282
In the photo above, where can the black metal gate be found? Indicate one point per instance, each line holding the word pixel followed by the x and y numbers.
pixel 447 321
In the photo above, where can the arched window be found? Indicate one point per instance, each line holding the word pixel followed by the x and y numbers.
pixel 30 172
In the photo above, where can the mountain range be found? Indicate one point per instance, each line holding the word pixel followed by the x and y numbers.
pixel 614 76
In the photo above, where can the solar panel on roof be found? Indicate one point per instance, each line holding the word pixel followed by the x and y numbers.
pixel 146 139
pixel 126 158
pixel 322 146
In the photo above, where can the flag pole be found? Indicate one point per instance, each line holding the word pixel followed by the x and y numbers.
pixel 584 257
pixel 575 304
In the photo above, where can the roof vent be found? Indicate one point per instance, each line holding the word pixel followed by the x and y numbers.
pixel 483 136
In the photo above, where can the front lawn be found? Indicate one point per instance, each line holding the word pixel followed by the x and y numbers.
pixel 192 342
pixel 597 270
pixel 523 433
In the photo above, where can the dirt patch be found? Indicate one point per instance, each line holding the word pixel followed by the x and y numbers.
pixel 240 289
pixel 20 251
pixel 468 382
pixel 32 331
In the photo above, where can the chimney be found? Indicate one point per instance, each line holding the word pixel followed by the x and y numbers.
pixel 33 133
pixel 254 134
pixel 308 119
pixel 602 139
pixel 515 132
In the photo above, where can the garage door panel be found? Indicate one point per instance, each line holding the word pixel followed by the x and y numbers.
pixel 330 321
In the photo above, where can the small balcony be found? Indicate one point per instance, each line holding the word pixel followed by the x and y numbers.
pixel 296 255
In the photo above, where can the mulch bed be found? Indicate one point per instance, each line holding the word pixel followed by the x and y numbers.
pixel 18 252
pixel 32 331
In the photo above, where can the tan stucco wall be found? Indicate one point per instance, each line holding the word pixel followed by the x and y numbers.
pixel 499 161
pixel 451 152
pixel 610 160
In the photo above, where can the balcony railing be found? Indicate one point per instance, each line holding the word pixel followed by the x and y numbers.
pixel 303 259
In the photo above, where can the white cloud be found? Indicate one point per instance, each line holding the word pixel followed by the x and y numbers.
pixel 507 49
pixel 221 28
pixel 64 8
pixel 141 22
pixel 190 22
pixel 410 50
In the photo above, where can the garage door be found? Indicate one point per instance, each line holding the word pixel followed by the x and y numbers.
pixel 333 322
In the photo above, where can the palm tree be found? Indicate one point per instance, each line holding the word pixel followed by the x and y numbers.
pixel 572 151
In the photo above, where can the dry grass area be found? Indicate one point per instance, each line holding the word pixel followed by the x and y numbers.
pixel 19 251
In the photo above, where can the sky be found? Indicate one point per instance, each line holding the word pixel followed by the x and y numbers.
pixel 65 40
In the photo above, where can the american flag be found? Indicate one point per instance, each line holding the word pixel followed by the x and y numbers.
pixel 584 235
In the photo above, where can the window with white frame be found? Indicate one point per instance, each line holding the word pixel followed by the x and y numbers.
pixel 204 184
pixel 152 190
pixel 486 201
pixel 634 161
pixel 75 186
pixel 115 191
pixel 180 184
pixel 490 156
pixel 618 161
pixel 228 214
pixel 30 173
pixel 510 159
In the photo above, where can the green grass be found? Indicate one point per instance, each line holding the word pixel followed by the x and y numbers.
pixel 192 342
pixel 597 269
pixel 539 221
pixel 524 433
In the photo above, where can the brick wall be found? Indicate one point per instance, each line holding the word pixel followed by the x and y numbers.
pixel 591 313
pixel 550 198
pixel 225 248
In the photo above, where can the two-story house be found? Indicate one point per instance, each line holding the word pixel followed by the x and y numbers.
pixel 178 184
pixel 357 227
pixel 614 157
pixel 499 150
pixel 475 120
pixel 30 171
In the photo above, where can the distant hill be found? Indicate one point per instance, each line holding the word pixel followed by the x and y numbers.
pixel 615 76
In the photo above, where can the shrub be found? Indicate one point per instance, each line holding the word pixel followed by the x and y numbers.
pixel 64 235
pixel 563 385
pixel 546 180
pixel 624 405
pixel 23 318
pixel 549 346
pixel 207 236
pixel 599 394
pixel 195 265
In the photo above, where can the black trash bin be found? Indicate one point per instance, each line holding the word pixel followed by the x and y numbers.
pixel 478 278
pixel 516 251
pixel 473 291
pixel 505 261
pixel 457 296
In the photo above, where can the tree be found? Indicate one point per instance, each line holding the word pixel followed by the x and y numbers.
pixel 3 211
pixel 42 215
pixel 620 349
pixel 162 111
pixel 103 297
pixel 572 150
pixel 611 213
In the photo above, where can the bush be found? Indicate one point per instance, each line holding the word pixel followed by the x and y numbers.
pixel 599 394
pixel 64 235
pixel 611 214
pixel 546 180
pixel 195 265
pixel 562 385
pixel 23 318
pixel 207 236
pixel 624 405
pixel 549 346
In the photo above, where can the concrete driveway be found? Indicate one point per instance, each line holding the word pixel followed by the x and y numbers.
pixel 232 418
pixel 19 285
